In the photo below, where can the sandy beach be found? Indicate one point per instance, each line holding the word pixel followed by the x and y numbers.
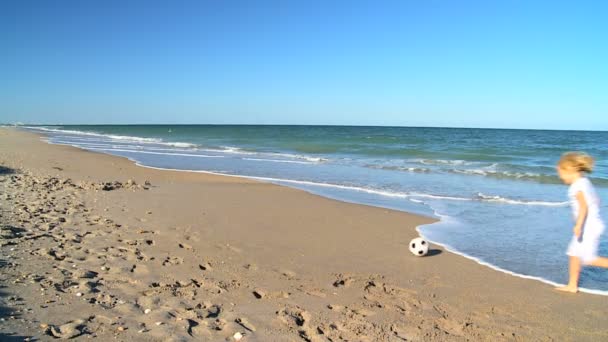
pixel 94 246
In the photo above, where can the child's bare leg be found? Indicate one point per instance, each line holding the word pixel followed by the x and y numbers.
pixel 600 262
pixel 575 271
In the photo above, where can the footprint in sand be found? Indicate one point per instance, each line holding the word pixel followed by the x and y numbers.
pixel 251 267
pixel 290 275
pixel 185 246
pixel 263 294
pixel 299 320
pixel 68 330
pixel 205 266
pixel 172 261
pixel 313 292
pixel 343 280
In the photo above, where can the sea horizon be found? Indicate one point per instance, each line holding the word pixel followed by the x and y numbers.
pixel 305 125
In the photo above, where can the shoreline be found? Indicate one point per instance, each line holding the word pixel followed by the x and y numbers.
pixel 461 288
pixel 437 218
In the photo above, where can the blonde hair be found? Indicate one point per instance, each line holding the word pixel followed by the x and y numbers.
pixel 579 161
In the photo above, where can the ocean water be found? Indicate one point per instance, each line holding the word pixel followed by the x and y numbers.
pixel 495 192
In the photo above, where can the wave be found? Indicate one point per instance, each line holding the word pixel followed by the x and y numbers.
pixel 299 156
pixel 238 150
pixel 443 162
pixel 228 149
pixel 398 168
pixel 123 146
pixel 523 176
pixel 152 152
pixel 509 174
pixel 113 136
pixel 105 144
pixel 490 198
pixel 279 161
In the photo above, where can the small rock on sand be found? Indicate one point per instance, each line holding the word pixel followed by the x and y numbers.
pixel 68 330
pixel 259 293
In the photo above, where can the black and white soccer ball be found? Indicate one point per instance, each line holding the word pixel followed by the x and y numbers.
pixel 419 246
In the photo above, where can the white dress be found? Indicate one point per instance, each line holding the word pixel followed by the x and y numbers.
pixel 586 247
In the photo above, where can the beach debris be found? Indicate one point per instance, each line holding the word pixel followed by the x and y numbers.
pixel 244 322
pixel 237 336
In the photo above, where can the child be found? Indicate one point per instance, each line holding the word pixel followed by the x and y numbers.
pixel 572 169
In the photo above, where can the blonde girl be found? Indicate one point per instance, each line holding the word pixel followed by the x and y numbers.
pixel 572 169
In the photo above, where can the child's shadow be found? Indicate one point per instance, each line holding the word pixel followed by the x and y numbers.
pixel 433 252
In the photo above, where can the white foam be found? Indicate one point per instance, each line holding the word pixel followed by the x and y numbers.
pixel 300 156
pixel 488 198
pixel 442 161
pixel 112 145
pixel 113 136
pixel 236 150
pixel 398 168
pixel 487 172
pixel 485 198
pixel 160 153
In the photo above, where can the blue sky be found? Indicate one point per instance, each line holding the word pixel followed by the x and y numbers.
pixel 519 64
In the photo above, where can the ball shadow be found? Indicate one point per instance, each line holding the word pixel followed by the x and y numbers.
pixel 433 252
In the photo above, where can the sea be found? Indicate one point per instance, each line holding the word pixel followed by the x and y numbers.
pixel 494 192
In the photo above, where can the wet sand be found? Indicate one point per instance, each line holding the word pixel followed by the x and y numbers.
pixel 96 246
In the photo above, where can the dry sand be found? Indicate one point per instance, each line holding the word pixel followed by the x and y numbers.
pixel 196 257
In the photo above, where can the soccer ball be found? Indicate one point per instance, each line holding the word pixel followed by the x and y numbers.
pixel 419 247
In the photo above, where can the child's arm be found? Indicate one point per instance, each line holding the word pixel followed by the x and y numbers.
pixel 582 214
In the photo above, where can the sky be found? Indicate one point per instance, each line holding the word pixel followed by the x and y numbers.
pixel 504 64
